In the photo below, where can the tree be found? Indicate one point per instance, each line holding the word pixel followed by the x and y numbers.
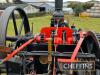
pixel 93 0
pixel 73 4
pixel 78 9
pixel 87 5
pixel 17 1
pixel 7 1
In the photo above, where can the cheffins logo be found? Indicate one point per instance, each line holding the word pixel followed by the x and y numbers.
pixel 88 65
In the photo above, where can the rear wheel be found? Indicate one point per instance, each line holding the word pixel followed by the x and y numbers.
pixel 91 44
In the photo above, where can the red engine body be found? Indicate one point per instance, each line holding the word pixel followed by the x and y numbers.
pixel 58 38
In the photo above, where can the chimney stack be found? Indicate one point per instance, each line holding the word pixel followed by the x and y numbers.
pixel 58 5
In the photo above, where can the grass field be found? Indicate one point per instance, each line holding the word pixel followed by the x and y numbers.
pixel 86 24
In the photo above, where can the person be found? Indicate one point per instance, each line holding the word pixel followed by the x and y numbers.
pixel 63 24
pixel 52 22
pixel 66 23
pixel 73 27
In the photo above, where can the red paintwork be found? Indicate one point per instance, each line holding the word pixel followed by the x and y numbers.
pixel 75 50
pixel 47 32
pixel 17 50
pixel 57 40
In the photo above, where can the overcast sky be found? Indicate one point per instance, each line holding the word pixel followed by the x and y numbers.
pixel 54 0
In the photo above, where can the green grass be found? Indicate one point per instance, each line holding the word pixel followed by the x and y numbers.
pixel 87 24
pixel 39 22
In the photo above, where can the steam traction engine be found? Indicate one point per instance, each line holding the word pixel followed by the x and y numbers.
pixel 46 52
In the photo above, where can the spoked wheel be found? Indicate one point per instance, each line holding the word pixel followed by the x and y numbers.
pixel 91 44
pixel 13 24
pixel 12 28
